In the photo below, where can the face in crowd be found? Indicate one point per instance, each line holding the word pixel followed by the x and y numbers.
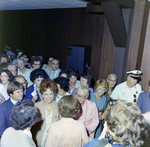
pixel 55 64
pixel 111 81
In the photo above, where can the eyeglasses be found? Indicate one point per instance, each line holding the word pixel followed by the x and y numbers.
pixel 80 96
pixel 134 98
pixel 112 80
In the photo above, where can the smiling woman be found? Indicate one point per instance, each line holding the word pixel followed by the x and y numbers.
pixel 6 77
pixel 47 109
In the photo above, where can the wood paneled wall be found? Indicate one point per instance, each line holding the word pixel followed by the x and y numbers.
pixel 49 32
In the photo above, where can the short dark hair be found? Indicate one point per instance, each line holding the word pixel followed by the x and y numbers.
pixel 35 59
pixel 88 78
pixel 12 57
pixel 72 71
pixel 13 86
pixel 8 72
pixel 3 65
pixel 63 82
pixel 23 115
pixel 68 106
pixel 63 72
pixel 38 73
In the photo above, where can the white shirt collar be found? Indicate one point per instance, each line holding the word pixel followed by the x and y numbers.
pixel 28 133
pixel 13 101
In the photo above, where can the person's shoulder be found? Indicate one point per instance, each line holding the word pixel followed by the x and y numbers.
pixel 138 85
pixel 90 103
pixel 30 87
pixel 38 104
pixel 5 104
pixel 144 93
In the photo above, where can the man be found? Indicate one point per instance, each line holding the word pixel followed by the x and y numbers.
pixel 3 58
pixel 36 62
pixel 54 72
pixel 15 91
pixel 127 91
pixel 111 80
pixel 13 69
pixel 130 89
pixel 88 114
pixel 21 80
pixel 8 51
pixel 22 117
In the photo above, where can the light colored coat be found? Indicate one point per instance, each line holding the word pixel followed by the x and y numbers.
pixel 67 133
pixel 39 128
pixel 16 138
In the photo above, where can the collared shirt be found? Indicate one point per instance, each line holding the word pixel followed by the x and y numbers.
pixel 53 74
pixel 89 117
pixel 13 101
pixel 123 92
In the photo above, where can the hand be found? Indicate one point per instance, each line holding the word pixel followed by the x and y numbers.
pixel 34 98
pixel 109 93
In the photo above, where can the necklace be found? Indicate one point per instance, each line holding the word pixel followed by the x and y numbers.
pixel 49 108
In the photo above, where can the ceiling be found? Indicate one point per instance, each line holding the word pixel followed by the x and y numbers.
pixel 40 4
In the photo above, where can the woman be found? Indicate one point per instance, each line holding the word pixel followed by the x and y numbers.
pixel 67 132
pixel 6 77
pixel 73 76
pixel 85 81
pixel 47 109
pixel 33 92
pixel 63 87
pixel 63 73
pixel 23 71
pixel 124 125
pixel 99 99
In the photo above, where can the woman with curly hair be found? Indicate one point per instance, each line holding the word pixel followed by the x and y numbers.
pixel 63 87
pixel 67 132
pixel 124 125
pixel 6 77
pixel 73 74
pixel 48 111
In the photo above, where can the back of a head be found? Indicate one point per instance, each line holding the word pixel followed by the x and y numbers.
pixel 23 115
pixel 127 123
pixel 68 106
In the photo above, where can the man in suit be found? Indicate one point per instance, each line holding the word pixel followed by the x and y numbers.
pixel 15 91
pixel 22 117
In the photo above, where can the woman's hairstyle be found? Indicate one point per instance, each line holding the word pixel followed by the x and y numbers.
pixel 68 106
pixel 88 78
pixel 72 71
pixel 48 84
pixel 63 72
pixel 8 72
pixel 13 86
pixel 63 82
pixel 36 59
pixel 127 123
pixel 23 115
pixel 38 73
pixel 102 83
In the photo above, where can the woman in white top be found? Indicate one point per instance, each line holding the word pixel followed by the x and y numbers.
pixel 6 77
pixel 23 71
pixel 63 87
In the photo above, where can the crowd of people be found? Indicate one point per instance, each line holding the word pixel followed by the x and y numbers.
pixel 44 106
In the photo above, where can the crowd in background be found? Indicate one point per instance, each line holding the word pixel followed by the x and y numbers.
pixel 46 106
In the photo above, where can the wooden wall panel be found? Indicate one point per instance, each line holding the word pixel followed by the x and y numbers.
pixel 50 32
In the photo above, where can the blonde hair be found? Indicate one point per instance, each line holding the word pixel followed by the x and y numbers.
pixel 102 83
pixel 127 123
